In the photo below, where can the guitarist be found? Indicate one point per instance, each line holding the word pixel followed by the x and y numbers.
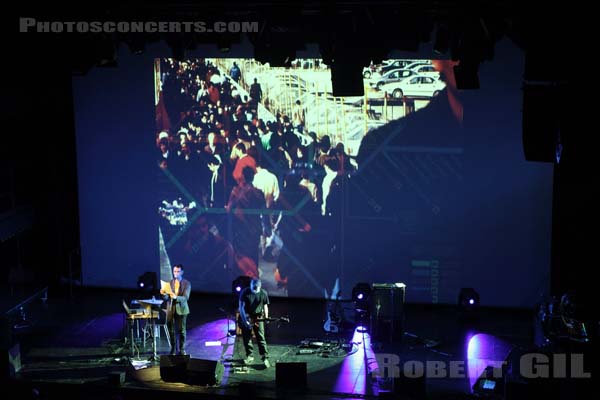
pixel 254 304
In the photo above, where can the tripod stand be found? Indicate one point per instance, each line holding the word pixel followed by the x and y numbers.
pixel 154 356
pixel 131 323
pixel 229 316
pixel 152 306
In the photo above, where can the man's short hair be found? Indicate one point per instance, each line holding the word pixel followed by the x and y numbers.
pixel 248 174
pixel 241 147
pixel 180 266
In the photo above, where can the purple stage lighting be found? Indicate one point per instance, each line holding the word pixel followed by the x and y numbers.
pixel 238 288
pixel 360 296
pixel 471 301
pixel 352 377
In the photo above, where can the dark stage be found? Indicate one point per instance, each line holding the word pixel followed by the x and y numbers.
pixel 79 346
pixel 317 148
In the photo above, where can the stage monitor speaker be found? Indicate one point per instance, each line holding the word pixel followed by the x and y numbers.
pixel 247 390
pixel 291 375
pixel 204 372
pixel 116 378
pixel 10 348
pixel 173 368
pixel 387 312
pixel 12 360
pixel 147 374
pixel 408 387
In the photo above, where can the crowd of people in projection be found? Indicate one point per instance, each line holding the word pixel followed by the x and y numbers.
pixel 241 196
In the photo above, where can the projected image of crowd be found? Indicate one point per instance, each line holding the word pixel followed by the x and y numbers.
pixel 245 187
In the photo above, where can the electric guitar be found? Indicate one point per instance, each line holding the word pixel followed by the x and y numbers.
pixel 331 326
pixel 333 322
pixel 279 320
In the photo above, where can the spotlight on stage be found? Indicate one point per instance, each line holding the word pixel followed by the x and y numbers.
pixel 468 304
pixel 361 292
pixel 468 299
pixel 148 282
pixel 240 283
pixel 361 295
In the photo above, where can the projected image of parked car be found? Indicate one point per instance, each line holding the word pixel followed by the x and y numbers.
pixel 393 76
pixel 377 70
pixel 390 65
pixel 426 70
pixel 418 86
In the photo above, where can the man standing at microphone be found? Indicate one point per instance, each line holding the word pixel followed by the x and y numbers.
pixel 177 293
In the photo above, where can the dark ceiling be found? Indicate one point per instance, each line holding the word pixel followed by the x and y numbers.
pixel 359 31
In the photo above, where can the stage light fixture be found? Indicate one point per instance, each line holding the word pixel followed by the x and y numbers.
pixel 468 299
pixel 490 383
pixel 361 292
pixel 148 282
pixel 239 284
pixel 361 295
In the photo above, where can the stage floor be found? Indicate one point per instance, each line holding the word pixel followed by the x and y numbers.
pixel 76 345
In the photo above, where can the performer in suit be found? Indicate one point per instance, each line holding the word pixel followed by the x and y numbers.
pixel 177 294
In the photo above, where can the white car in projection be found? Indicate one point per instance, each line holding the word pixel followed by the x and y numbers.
pixel 377 70
pixel 393 76
pixel 418 86
pixel 426 70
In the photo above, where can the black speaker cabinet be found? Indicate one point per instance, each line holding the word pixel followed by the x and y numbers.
pixel 413 388
pixel 12 361
pixel 173 368
pixel 247 390
pixel 116 378
pixel 290 375
pixel 10 348
pixel 387 312
pixel 204 372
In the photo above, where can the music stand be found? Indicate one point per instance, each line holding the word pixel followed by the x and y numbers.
pixel 150 304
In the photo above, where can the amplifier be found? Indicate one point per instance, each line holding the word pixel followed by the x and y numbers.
pixel 387 311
